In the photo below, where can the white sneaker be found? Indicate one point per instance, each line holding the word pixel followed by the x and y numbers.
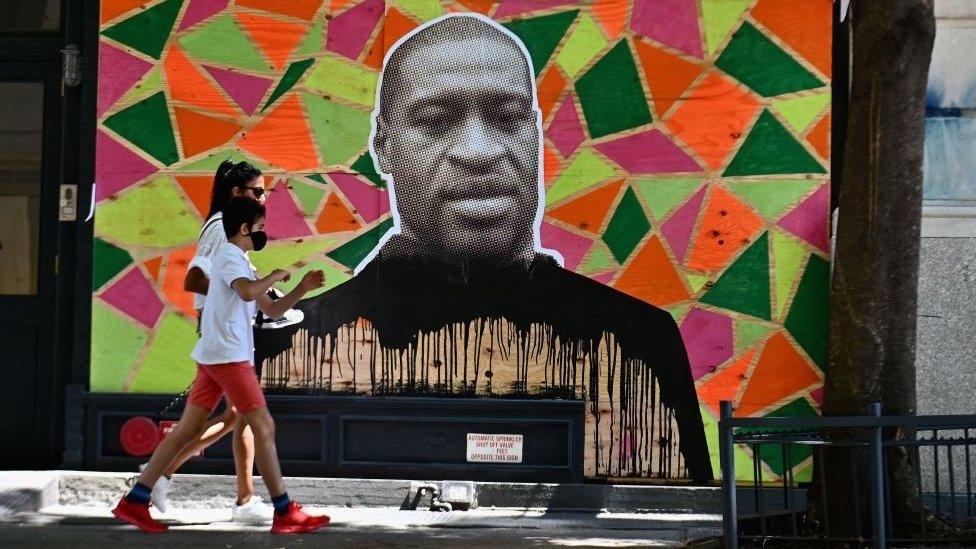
pixel 160 491
pixel 254 511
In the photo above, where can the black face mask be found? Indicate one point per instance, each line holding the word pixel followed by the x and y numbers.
pixel 259 239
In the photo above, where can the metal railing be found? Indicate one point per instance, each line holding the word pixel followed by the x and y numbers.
pixel 940 449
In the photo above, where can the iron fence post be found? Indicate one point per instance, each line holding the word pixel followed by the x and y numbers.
pixel 877 479
pixel 727 459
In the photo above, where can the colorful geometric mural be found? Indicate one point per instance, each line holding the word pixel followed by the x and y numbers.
pixel 686 164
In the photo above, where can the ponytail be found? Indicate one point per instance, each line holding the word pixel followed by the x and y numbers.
pixel 230 175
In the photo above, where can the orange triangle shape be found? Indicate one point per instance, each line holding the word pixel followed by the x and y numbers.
pixel 274 37
pixel 780 372
pixel 725 384
pixel 395 26
pixel 176 267
pixel 188 85
pixel 152 266
pixel 612 15
pixel 200 133
pixel 819 137
pixel 804 26
pixel 550 87
pixel 375 53
pixel 198 188
pixel 283 138
pixel 114 8
pixel 302 9
pixel 588 211
pixel 551 164
pixel 651 276
pixel 668 76
pixel 336 217
pixel 337 5
pixel 480 6
pixel 726 227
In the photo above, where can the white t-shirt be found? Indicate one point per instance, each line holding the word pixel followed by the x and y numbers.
pixel 211 237
pixel 227 319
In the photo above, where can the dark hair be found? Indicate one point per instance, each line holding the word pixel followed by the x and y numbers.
pixel 240 211
pixel 230 175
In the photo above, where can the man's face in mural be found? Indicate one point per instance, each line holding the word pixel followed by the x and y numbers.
pixel 458 132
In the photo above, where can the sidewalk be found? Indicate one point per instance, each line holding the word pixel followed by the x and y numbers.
pixel 365 514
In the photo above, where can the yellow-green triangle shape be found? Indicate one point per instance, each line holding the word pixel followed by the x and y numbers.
pixel 663 194
pixel 788 259
pixel 742 459
pixel 678 312
pixel 747 333
pixel 696 281
pixel 151 83
pixel 424 9
pixel 719 18
pixel 800 111
pixel 771 197
pixel 597 260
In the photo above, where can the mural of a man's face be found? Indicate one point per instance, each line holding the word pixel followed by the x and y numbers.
pixel 458 132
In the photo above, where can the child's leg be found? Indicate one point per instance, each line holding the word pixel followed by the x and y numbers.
pixel 191 424
pixel 244 460
pixel 265 451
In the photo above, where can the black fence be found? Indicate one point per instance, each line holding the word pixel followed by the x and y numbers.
pixel 940 453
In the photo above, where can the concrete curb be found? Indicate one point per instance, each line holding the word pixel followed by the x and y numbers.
pixel 28 491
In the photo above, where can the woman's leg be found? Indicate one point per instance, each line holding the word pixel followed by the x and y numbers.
pixel 214 429
pixel 191 424
pixel 244 460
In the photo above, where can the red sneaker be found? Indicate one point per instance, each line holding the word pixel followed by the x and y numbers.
pixel 138 515
pixel 295 521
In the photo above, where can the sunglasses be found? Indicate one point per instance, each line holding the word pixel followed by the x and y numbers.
pixel 258 191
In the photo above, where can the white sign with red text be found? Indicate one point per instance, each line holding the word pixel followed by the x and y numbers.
pixel 494 448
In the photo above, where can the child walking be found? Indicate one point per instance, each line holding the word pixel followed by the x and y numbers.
pixel 225 356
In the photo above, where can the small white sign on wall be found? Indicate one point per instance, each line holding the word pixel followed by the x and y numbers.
pixel 494 448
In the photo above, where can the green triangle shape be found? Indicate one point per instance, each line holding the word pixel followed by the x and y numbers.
pixel 317 177
pixel 800 111
pixel 611 94
pixel 678 312
pixel 292 75
pixel 663 194
pixel 147 30
pixel 146 125
pixel 333 277
pixel 115 346
pixel 285 254
pixel 808 317
pixel 696 281
pixel 364 166
pixel 744 287
pixel 222 41
pixel 150 84
pixel 597 260
pixel 627 227
pixel 107 261
pixel 210 162
pixel 312 43
pixel 772 454
pixel 771 197
pixel 541 35
pixel 309 196
pixel 747 332
pixel 788 258
pixel 423 9
pixel 719 17
pixel 167 367
pixel 771 149
pixel 340 131
pixel 353 252
pixel 776 74
pixel 586 170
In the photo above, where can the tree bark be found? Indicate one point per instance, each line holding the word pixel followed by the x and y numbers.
pixel 875 275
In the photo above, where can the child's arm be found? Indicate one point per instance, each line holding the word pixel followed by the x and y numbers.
pixel 250 290
pixel 276 308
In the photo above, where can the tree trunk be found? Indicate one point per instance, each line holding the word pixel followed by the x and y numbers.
pixel 875 278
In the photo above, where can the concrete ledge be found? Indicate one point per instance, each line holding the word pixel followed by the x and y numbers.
pixel 27 491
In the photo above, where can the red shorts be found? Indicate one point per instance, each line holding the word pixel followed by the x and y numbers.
pixel 237 380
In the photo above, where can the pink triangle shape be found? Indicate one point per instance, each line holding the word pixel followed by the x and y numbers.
pixel 284 219
pixel 350 30
pixel 670 22
pixel 565 130
pixel 648 152
pixel 570 245
pixel 246 90
pixel 369 201
pixel 116 167
pixel 809 220
pixel 133 295
pixel 198 10
pixel 512 7
pixel 708 340
pixel 117 72
pixel 604 278
pixel 677 230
